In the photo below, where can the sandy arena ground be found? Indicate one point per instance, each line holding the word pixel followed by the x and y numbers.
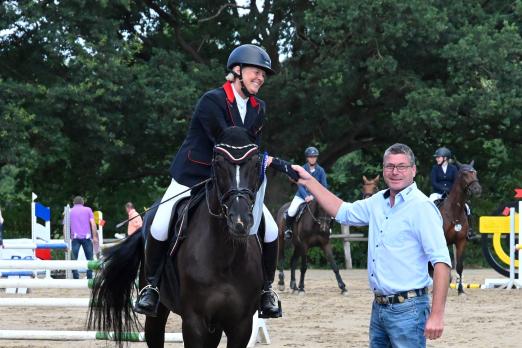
pixel 321 318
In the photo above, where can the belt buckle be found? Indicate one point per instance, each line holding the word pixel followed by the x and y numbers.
pixel 382 300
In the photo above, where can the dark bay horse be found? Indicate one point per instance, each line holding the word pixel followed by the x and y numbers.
pixel 215 279
pixel 452 209
pixel 312 229
pixel 370 186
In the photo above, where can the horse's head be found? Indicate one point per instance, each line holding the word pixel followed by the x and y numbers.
pixel 467 176
pixel 236 175
pixel 370 187
pixel 320 217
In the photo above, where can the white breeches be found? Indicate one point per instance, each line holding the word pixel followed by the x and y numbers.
pixel 160 225
pixel 294 205
pixel 434 196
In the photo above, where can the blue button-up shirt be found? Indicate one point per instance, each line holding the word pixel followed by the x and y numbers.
pixel 401 239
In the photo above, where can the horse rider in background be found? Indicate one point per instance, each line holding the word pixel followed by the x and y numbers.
pixel 443 175
pixel 303 195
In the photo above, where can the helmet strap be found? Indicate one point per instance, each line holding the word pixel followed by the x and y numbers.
pixel 240 77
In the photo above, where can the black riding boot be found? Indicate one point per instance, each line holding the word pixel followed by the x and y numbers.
pixel 289 225
pixel 270 306
pixel 148 298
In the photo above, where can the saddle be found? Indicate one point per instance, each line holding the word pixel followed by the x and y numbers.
pixel 438 202
pixel 179 219
pixel 300 211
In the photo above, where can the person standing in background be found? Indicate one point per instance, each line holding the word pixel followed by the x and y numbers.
pixel 135 221
pixel 83 232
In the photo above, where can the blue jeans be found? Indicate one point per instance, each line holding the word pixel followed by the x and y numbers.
pixel 399 325
pixel 86 244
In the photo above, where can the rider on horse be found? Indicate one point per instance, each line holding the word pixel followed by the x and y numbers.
pixel 302 195
pixel 443 175
pixel 233 104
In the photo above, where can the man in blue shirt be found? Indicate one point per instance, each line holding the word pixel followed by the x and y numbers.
pixel 405 233
pixel 303 195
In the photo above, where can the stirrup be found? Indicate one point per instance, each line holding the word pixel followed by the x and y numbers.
pixel 148 286
pixel 279 313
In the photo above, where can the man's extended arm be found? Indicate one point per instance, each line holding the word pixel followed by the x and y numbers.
pixel 330 202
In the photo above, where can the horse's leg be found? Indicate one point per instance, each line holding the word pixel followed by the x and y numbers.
pixel 327 249
pixel 293 264
pixel 281 263
pixel 461 245
pixel 304 266
pixel 239 335
pixel 155 328
pixel 197 334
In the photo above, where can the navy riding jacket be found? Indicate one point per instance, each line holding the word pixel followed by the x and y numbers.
pixel 319 174
pixel 215 111
pixel 443 182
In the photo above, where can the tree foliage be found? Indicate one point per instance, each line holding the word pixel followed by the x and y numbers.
pixel 96 96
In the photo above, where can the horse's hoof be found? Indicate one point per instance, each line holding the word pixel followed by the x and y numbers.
pixel 301 293
pixel 344 292
pixel 281 287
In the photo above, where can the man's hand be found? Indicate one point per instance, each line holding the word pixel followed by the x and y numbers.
pixel 434 327
pixel 303 174
pixel 309 198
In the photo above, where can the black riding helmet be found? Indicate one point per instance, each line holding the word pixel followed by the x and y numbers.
pixel 249 55
pixel 442 152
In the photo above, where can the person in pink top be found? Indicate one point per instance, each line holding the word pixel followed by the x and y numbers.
pixel 83 232
pixel 136 221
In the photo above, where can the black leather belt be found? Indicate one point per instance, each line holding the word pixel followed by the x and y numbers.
pixel 399 297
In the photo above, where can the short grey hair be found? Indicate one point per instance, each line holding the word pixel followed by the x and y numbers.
pixel 397 149
pixel 78 200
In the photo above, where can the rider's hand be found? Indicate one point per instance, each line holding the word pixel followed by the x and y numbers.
pixel 309 198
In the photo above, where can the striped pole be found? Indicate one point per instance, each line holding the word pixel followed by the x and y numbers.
pixel 80 336
pixel 51 264
pixel 44 302
pixel 468 286
pixel 36 246
pixel 47 283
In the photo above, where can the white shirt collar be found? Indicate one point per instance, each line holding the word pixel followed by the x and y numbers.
pixel 241 103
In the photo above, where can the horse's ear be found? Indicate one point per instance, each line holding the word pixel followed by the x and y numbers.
pixel 365 179
pixel 472 163
pixel 376 179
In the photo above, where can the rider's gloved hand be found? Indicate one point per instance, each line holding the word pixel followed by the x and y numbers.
pixel 285 168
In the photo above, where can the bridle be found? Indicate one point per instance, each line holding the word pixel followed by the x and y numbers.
pixel 316 219
pixel 467 188
pixel 245 193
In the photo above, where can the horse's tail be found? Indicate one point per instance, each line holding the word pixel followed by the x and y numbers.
pixel 110 308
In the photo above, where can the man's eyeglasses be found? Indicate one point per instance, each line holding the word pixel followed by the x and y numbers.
pixel 401 168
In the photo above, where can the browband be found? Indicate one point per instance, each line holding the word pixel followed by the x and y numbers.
pixel 236 154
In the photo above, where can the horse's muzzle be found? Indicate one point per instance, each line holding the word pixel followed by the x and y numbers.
pixel 239 225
